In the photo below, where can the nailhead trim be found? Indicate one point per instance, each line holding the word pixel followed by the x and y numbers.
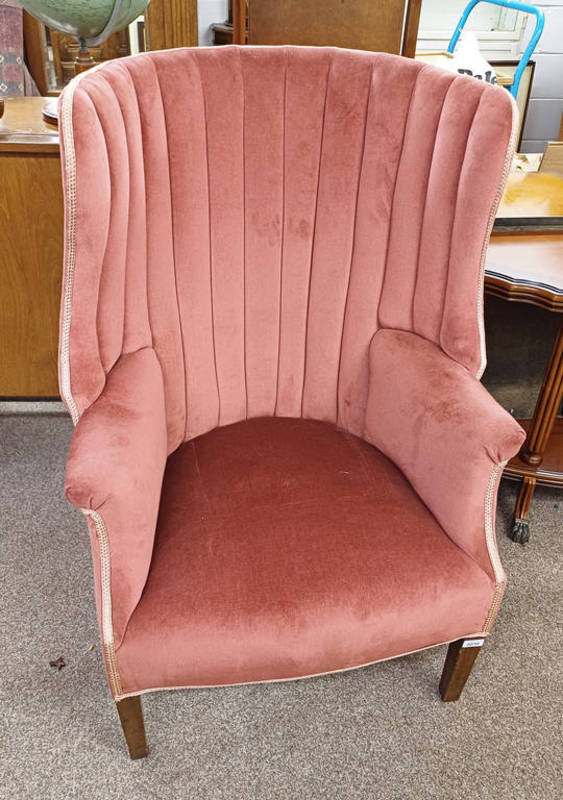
pixel 105 581
pixel 492 216
pixel 492 547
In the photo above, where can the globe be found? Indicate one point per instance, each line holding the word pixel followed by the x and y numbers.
pixel 90 21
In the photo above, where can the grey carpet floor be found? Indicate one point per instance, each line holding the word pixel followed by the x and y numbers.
pixel 379 732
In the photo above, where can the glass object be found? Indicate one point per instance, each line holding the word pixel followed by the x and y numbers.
pixel 90 21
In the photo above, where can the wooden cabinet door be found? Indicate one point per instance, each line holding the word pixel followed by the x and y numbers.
pixel 31 247
pixel 358 24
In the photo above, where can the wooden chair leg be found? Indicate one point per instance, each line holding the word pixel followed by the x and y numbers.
pixel 459 660
pixel 131 716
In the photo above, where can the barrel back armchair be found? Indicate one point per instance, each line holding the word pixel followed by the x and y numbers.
pixel 271 344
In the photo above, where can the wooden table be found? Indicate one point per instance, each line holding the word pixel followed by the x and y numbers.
pixel 31 221
pixel 528 268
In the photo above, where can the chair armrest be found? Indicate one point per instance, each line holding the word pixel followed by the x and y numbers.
pixel 449 437
pixel 114 475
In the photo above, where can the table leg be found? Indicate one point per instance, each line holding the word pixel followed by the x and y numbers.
pixel 547 407
pixel 521 525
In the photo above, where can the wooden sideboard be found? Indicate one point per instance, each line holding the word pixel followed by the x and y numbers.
pixel 528 268
pixel 31 242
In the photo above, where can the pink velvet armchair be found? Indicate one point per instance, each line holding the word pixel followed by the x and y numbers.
pixel 271 345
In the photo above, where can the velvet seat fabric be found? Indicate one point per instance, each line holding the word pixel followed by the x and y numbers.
pixel 261 235
pixel 286 547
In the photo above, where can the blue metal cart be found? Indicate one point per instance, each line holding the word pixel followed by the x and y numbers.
pixel 516 6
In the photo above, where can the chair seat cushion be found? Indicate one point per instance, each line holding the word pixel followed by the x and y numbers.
pixel 287 548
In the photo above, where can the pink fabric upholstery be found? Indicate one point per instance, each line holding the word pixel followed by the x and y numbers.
pixel 115 467
pixel 240 223
pixel 286 548
pixel 443 430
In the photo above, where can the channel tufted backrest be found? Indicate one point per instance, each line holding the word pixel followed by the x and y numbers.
pixel 256 214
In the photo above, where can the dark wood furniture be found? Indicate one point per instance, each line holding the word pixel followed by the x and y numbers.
pixel 239 13
pixel 460 658
pixel 35 45
pixel 223 31
pixel 361 25
pixel 67 56
pixel 528 268
pixel 31 220
pixel 171 23
pixel 131 717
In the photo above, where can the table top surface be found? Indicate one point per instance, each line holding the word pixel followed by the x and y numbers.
pixel 22 128
pixel 532 201
pixel 534 259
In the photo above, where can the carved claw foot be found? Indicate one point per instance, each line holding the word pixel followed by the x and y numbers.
pixel 520 531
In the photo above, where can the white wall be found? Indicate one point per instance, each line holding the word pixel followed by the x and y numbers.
pixel 546 101
pixel 209 11
pixel 498 29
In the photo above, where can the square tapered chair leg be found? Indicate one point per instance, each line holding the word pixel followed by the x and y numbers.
pixel 131 716
pixel 460 658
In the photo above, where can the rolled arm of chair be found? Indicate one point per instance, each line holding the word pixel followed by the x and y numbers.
pixel 114 475
pixel 446 433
